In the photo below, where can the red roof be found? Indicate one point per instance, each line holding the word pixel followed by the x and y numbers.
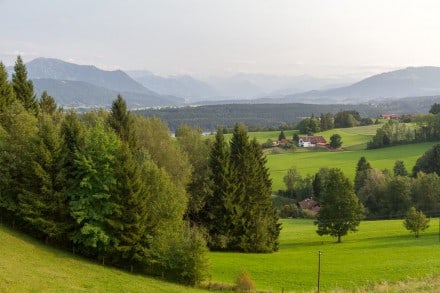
pixel 313 139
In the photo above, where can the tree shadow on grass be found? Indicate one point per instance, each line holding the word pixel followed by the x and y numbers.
pixel 399 241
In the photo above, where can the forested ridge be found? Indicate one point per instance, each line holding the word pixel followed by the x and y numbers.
pixel 115 187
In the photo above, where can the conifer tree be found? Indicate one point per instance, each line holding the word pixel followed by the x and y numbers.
pixel 219 207
pixel 129 219
pixel 15 157
pixel 255 226
pixel 42 202
pixel 361 173
pixel 23 87
pixel 121 121
pixel 47 104
pixel 6 90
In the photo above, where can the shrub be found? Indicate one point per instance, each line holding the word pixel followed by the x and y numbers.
pixel 244 281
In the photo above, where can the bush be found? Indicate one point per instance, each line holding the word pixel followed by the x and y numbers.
pixel 244 281
pixel 180 258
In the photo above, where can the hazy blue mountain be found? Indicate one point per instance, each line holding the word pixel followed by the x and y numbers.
pixel 86 85
pixel 57 69
pixel 408 82
pixel 82 94
pixel 183 86
pixel 247 86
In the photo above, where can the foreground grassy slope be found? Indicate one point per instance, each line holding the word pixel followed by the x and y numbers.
pixel 382 251
pixel 26 265
pixel 375 259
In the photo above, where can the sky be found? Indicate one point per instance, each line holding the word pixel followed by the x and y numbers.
pixel 225 37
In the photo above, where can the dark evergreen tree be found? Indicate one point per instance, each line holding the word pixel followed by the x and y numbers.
pixel 17 131
pixel 219 208
pixel 47 104
pixel 42 203
pixel 281 136
pixel 326 121
pixel 121 121
pixel 429 162
pixel 130 212
pixel 7 95
pixel 23 87
pixel 255 222
pixel 435 108
pixel 400 169
pixel 335 141
pixel 361 173
pixel 340 210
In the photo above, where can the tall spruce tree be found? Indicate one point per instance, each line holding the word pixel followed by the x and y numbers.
pixel 219 208
pixel 42 202
pixel 23 87
pixel 15 157
pixel 361 173
pixel 121 121
pixel 129 219
pixel 47 104
pixel 7 94
pixel 255 222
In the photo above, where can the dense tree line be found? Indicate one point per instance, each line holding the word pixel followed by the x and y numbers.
pixel 117 188
pixel 423 128
pixel 257 117
pixel 327 121
pixel 383 193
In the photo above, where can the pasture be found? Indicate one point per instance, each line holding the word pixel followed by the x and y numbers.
pixel 308 160
pixel 375 259
pixel 380 251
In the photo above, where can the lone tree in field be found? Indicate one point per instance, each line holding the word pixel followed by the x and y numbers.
pixel 341 210
pixel 416 221
pixel 335 141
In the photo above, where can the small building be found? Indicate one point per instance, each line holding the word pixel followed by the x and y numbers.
pixel 309 204
pixel 391 116
pixel 311 141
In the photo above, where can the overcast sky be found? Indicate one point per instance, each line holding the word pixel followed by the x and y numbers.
pixel 216 37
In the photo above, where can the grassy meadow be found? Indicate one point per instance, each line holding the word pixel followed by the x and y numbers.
pixel 381 257
pixel 309 160
pixel 381 251
pixel 26 265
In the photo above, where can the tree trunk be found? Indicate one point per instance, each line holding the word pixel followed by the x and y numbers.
pixel 339 238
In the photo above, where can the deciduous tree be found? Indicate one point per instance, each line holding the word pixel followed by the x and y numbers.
pixel 416 221
pixel 340 210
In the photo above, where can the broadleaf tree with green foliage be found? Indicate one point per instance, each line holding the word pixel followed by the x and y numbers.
pixel 340 209
pixel 416 221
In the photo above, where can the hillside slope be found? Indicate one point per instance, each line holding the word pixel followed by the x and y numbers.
pixel 27 265
pixel 408 82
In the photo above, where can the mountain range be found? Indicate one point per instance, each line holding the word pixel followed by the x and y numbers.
pixel 408 82
pixel 88 86
pixel 76 85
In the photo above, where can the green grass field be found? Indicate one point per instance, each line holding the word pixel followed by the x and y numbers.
pixel 309 162
pixel 380 251
pixel 375 259
pixel 28 266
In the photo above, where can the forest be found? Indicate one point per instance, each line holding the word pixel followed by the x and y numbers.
pixel 117 188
